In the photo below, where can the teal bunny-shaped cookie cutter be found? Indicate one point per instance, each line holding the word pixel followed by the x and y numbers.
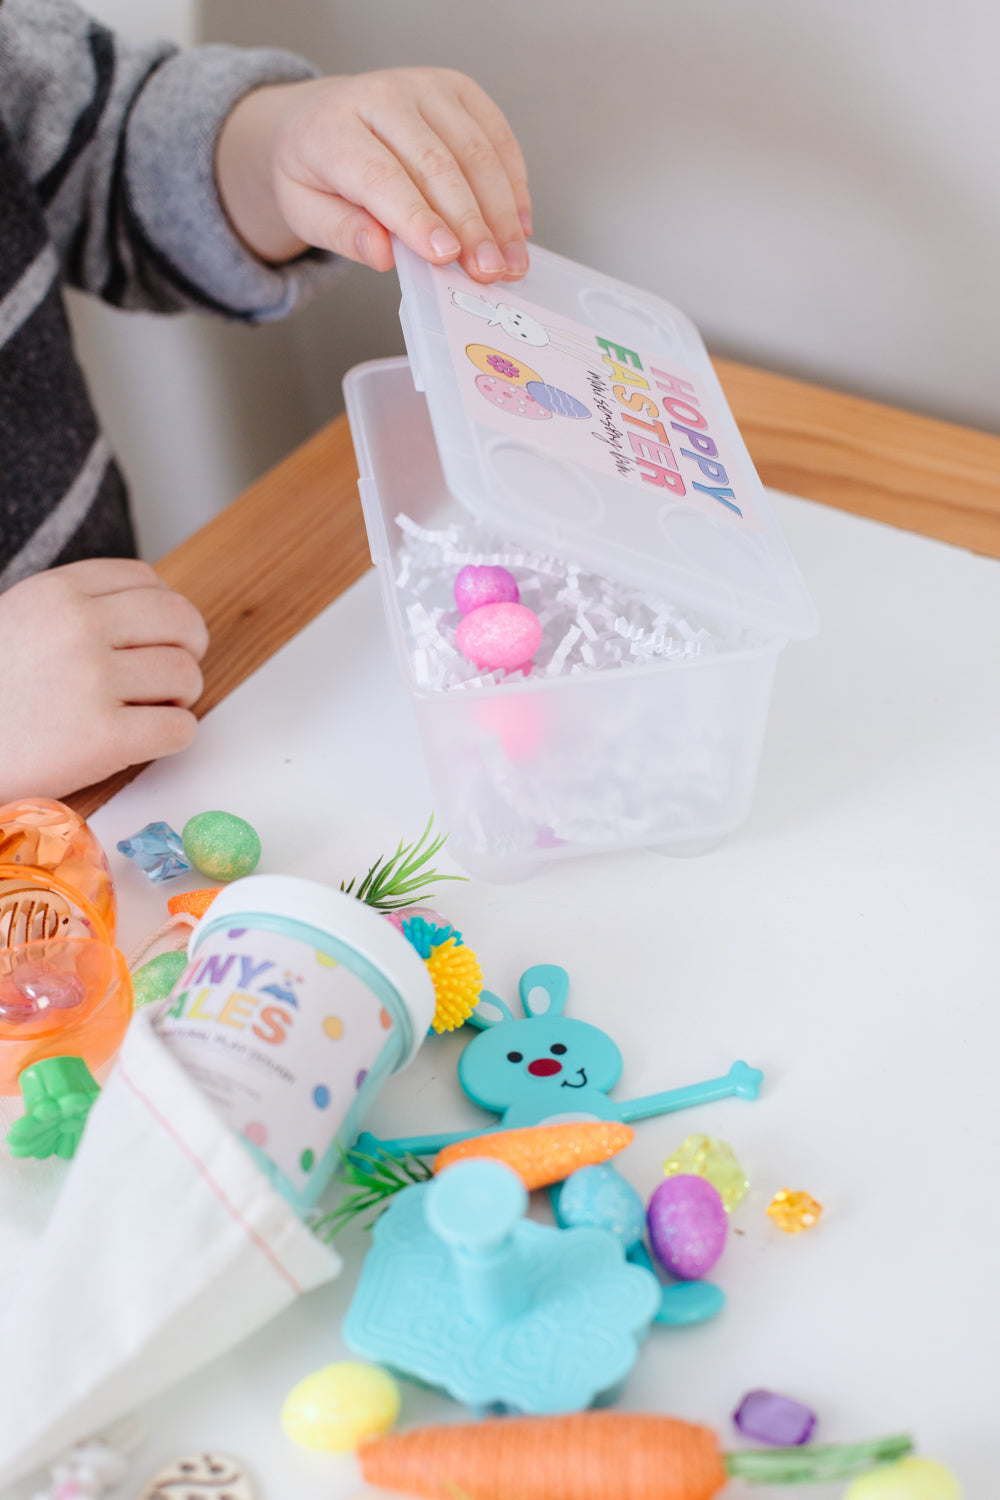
pixel 547 1068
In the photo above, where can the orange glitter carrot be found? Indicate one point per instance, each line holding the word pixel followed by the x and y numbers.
pixel 544 1154
pixel 195 903
pixel 594 1455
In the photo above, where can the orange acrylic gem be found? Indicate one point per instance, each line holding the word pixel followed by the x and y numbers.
pixel 793 1212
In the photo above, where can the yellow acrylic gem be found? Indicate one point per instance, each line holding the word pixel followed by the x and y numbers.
pixel 907 1479
pixel 704 1156
pixel 336 1408
pixel 794 1211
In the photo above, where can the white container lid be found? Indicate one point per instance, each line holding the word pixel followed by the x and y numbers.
pixel 344 918
pixel 583 418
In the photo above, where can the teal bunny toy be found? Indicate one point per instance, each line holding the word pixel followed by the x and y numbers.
pixel 548 1068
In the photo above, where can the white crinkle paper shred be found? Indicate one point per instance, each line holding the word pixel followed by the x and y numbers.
pixel 589 623
pixel 533 767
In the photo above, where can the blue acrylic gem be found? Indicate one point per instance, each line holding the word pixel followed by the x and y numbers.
pixel 158 852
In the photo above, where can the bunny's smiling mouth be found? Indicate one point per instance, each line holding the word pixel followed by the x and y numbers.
pixel 581 1085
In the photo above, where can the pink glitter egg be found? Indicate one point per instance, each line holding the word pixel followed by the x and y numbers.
pixel 476 586
pixel 687 1225
pixel 499 636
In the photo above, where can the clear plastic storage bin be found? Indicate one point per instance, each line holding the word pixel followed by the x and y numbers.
pixel 636 472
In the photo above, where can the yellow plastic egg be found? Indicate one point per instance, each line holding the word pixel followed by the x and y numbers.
pixel 906 1479
pixel 336 1408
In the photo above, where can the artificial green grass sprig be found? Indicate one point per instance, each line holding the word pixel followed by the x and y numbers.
pixel 374 1178
pixel 402 878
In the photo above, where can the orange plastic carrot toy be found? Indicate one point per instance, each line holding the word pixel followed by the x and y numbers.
pixel 543 1154
pixel 596 1455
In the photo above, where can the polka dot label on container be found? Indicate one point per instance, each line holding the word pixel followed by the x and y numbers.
pixel 362 1075
pixel 385 1020
pixel 325 959
pixel 333 1026
pixel 307 1160
pixel 256 1133
pixel 321 1096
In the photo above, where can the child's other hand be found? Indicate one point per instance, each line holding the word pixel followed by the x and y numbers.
pixel 98 671
pixel 340 163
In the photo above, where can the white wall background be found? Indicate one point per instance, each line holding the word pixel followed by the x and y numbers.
pixel 816 184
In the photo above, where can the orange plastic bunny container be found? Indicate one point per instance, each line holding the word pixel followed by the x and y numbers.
pixel 65 991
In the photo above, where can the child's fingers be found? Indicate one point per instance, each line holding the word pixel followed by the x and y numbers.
pixel 152 617
pixel 494 122
pixel 328 220
pixel 455 166
pixel 146 732
pixel 155 674
pixel 108 575
pixel 364 172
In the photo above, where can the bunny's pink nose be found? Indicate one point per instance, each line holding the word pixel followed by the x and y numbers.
pixel 544 1067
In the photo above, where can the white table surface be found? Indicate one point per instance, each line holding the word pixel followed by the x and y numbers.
pixel 845 941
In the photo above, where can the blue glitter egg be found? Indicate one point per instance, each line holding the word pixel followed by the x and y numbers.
pixel 599 1198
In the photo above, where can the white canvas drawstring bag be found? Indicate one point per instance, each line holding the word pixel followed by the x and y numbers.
pixel 164 1246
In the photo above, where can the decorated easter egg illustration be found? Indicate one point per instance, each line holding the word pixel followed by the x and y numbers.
pixel 503 366
pixel 513 399
pixel 687 1225
pixel 560 403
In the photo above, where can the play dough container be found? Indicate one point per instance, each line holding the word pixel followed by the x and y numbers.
pixel 297 1003
pixel 581 419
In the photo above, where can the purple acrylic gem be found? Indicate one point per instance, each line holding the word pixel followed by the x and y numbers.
pixel 770 1418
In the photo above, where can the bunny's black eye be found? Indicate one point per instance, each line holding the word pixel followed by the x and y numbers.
pixel 558 1048
pixel 515 1056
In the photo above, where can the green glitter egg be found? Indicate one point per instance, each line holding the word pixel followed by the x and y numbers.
pixel 220 845
pixel 156 979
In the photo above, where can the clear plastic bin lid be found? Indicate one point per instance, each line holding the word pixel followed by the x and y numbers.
pixel 578 416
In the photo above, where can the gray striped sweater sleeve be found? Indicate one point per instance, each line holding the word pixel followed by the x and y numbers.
pixel 106 182
pixel 119 143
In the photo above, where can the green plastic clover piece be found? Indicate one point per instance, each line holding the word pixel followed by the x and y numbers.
pixel 58 1093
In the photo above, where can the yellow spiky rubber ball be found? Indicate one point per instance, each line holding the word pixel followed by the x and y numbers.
pixel 458 983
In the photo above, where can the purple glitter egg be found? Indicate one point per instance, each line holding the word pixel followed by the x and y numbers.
pixel 476 586
pixel 687 1225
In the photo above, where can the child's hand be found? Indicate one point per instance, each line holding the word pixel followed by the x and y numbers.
pixel 98 669
pixel 340 163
